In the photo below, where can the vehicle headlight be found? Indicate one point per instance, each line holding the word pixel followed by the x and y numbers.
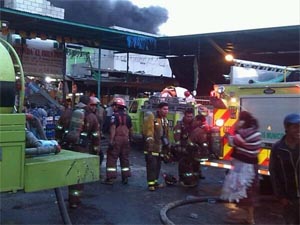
pixel 219 122
pixel 233 100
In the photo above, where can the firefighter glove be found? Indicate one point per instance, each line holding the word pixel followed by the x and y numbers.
pixel 168 158
pixel 167 155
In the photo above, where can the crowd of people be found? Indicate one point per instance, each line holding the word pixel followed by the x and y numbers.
pixel 191 144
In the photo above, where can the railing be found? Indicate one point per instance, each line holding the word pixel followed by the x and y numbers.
pixel 176 103
pixel 203 100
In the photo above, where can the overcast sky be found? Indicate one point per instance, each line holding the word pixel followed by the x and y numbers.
pixel 206 16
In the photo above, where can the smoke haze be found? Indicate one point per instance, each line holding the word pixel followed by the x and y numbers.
pixel 108 13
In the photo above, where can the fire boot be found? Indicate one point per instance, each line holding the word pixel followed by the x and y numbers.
pixel 108 181
pixel 74 195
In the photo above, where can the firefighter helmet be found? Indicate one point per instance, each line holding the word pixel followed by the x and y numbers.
pixel 94 100
pixel 119 102
pixel 170 179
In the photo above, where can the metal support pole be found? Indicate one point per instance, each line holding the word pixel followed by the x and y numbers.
pixel 64 64
pixel 127 71
pixel 99 76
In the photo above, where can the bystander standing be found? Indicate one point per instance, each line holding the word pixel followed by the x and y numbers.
pixel 285 168
pixel 241 183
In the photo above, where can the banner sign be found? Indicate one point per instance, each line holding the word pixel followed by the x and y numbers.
pixel 40 57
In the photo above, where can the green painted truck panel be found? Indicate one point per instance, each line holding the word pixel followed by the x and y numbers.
pixel 63 169
pixel 12 151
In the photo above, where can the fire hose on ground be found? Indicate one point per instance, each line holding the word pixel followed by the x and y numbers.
pixel 163 212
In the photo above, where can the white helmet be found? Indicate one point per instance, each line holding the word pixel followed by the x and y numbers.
pixel 94 100
pixel 119 102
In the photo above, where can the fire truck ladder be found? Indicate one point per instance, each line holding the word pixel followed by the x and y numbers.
pixel 262 66
pixel 285 70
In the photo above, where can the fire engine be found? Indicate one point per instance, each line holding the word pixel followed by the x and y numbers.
pixel 178 98
pixel 269 92
pixel 34 168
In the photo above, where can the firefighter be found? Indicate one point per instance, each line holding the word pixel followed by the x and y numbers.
pixel 79 132
pixel 119 143
pixel 95 107
pixel 63 124
pixel 181 133
pixel 196 149
pixel 100 112
pixel 155 132
pixel 199 140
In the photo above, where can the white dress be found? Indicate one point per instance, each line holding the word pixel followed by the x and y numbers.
pixel 239 178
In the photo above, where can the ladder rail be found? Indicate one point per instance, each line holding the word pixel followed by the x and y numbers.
pixel 263 66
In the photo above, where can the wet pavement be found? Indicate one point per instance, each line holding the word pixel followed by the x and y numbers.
pixel 133 203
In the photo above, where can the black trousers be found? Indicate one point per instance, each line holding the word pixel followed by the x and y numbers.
pixel 153 166
pixel 188 170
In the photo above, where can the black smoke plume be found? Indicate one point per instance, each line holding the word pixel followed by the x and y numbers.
pixel 108 13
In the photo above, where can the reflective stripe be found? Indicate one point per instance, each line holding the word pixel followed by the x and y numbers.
pixel 152 153
pixel 151 183
pixel 111 169
pixel 227 166
pixel 75 193
pixel 192 143
pixel 191 174
pixel 264 172
pixel 83 134
pixel 178 131
pixel 59 127
pixel 95 134
pixel 149 138
pixel 125 169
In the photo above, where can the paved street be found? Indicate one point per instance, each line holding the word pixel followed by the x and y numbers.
pixel 132 203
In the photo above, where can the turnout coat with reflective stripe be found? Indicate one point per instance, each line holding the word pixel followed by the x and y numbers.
pixel 154 128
